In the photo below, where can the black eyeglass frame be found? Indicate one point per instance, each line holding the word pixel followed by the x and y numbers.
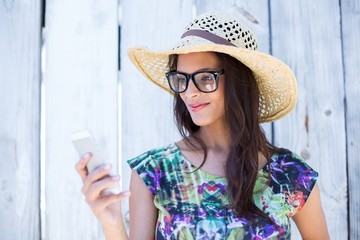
pixel 192 77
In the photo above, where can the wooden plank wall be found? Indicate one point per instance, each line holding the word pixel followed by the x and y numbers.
pixel 81 91
pixel 20 75
pixel 84 40
pixel 350 19
pixel 303 32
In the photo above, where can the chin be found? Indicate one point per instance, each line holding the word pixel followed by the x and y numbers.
pixel 206 120
pixel 201 122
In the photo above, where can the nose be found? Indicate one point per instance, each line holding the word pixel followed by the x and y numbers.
pixel 192 91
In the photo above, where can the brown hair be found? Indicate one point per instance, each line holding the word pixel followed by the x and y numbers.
pixel 247 136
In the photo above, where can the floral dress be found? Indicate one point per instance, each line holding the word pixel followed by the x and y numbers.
pixel 195 204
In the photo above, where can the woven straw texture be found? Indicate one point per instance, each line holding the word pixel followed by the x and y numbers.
pixel 276 81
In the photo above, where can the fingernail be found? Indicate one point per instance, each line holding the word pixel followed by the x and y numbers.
pixel 86 155
pixel 116 177
pixel 107 166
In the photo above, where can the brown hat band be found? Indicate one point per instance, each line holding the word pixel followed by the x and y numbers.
pixel 208 36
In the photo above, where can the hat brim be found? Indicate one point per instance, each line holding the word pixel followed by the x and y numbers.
pixel 276 81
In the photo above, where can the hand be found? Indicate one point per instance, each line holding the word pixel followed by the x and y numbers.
pixel 107 209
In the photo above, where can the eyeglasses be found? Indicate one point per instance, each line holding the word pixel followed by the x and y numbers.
pixel 204 80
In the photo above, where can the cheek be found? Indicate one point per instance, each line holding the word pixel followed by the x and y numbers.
pixel 220 106
pixel 220 96
pixel 221 87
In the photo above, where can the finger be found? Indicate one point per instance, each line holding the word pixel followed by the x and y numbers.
pixel 96 175
pixel 81 165
pixel 102 203
pixel 124 194
pixel 95 189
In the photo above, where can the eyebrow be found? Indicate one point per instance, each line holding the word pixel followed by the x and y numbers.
pixel 202 69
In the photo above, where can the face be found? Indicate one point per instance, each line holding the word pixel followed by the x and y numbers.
pixel 205 108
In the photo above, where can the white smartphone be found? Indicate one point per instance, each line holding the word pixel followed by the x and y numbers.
pixel 84 142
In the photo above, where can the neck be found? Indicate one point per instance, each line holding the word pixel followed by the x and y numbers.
pixel 215 136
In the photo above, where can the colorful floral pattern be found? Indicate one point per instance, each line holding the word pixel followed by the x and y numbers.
pixel 195 205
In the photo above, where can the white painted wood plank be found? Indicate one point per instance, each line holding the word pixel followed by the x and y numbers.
pixel 350 20
pixel 147 112
pixel 81 85
pixel 20 44
pixel 306 35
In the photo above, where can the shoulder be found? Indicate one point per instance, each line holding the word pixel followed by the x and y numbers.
pixel 292 177
pixel 155 166
pixel 153 156
pixel 289 166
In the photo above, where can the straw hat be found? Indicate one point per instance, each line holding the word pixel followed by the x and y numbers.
pixel 223 32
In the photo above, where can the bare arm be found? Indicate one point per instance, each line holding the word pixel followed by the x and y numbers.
pixel 143 213
pixel 310 220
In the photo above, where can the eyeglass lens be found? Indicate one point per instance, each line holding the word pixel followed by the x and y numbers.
pixel 204 81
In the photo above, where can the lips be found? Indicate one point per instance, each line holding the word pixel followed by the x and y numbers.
pixel 197 107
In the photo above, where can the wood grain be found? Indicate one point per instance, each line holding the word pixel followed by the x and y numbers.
pixel 350 20
pixel 20 44
pixel 81 91
pixel 306 35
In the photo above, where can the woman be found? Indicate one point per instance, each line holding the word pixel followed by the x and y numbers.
pixel 223 180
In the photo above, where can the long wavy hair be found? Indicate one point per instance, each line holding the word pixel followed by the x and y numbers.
pixel 247 138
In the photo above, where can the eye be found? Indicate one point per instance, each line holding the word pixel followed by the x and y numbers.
pixel 181 78
pixel 205 77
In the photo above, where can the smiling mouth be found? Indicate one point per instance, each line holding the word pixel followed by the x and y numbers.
pixel 197 107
